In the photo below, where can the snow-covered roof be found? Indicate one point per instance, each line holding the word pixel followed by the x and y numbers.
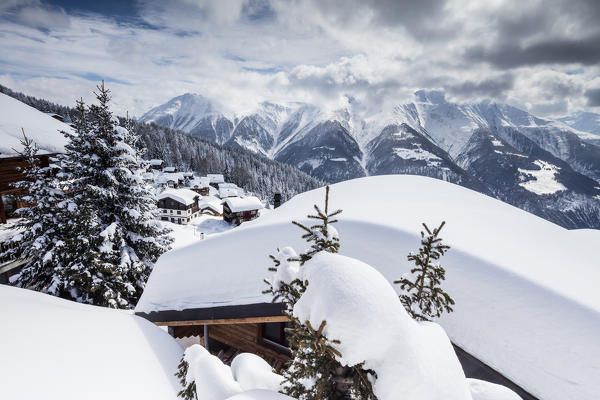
pixel 185 196
pixel 239 204
pixel 156 162
pixel 39 126
pixel 539 279
pixel 199 182
pixel 169 176
pixel 215 178
pixel 86 352
pixel 169 169
pixel 229 192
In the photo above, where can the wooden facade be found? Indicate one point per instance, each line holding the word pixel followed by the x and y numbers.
pixel 176 211
pixel 252 328
pixel 10 173
pixel 237 218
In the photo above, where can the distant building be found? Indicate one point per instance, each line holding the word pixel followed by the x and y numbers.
pixel 200 185
pixel 56 116
pixel 179 206
pixel 211 205
pixel 169 170
pixel 237 210
pixel 215 180
pixel 155 165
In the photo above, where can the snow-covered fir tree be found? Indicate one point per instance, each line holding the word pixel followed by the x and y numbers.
pixel 117 239
pixel 314 371
pixel 424 298
pixel 40 224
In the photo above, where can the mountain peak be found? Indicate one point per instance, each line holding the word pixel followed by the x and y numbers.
pixel 430 96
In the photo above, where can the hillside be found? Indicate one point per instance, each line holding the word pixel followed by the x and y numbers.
pixel 525 289
pixel 490 147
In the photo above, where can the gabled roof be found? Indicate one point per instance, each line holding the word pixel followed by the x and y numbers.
pixel 169 169
pixel 240 204
pixel 156 162
pixel 185 196
pixel 215 178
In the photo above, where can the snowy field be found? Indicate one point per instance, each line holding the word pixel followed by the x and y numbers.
pixel 57 349
pixel 197 230
pixel 525 289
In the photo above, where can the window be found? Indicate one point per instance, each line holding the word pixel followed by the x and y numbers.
pixel 178 212
pixel 274 332
pixel 164 218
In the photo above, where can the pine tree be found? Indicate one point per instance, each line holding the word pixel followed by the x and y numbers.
pixel 425 299
pixel 39 242
pixel 111 252
pixel 188 391
pixel 314 372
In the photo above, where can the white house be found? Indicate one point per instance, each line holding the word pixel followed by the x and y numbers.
pixel 179 206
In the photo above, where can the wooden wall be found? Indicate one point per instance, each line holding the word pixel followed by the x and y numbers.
pixel 243 337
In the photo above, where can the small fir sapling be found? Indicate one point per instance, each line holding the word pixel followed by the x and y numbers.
pixel 188 391
pixel 424 298
pixel 314 372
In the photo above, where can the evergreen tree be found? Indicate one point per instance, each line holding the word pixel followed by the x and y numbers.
pixel 314 372
pixel 41 230
pixel 425 299
pixel 117 239
pixel 188 391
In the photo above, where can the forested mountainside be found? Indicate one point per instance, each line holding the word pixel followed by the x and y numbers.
pixel 543 166
pixel 253 172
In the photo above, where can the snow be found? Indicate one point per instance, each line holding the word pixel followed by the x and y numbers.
pixel 260 394
pixel 543 180
pixel 217 381
pixel 252 372
pixel 416 154
pixel 58 349
pixel 239 204
pixel 169 169
pixel 156 162
pixel 185 196
pixel 198 228
pixel 215 178
pixel 482 390
pixel 412 361
pixel 525 289
pixel 39 126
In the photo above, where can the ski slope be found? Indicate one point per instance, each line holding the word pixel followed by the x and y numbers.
pixel 58 349
pixel 525 289
pixel 40 127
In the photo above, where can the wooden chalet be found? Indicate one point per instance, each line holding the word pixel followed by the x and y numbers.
pixel 215 180
pixel 10 173
pixel 237 209
pixel 200 186
pixel 179 206
pixel 155 165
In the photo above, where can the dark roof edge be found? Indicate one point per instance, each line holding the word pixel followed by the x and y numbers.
pixel 222 312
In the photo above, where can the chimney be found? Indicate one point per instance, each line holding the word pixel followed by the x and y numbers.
pixel 277 200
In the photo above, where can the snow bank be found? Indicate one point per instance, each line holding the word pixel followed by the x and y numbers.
pixel 260 395
pixel 252 372
pixel 482 390
pixel 217 381
pixel 526 289
pixel 412 361
pixel 40 127
pixel 57 349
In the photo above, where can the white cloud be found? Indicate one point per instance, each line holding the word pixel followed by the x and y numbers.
pixel 377 52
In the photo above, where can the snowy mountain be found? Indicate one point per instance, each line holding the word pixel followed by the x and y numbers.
pixel 525 289
pixel 587 125
pixel 540 165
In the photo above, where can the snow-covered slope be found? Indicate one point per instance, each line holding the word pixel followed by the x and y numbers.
pixel 586 124
pixel 40 127
pixel 57 349
pixel 525 289
pixel 429 136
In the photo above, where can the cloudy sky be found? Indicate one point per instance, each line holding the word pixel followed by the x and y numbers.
pixel 539 55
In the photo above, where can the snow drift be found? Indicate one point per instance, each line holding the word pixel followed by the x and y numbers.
pixel 525 289
pixel 58 349
pixel 412 361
